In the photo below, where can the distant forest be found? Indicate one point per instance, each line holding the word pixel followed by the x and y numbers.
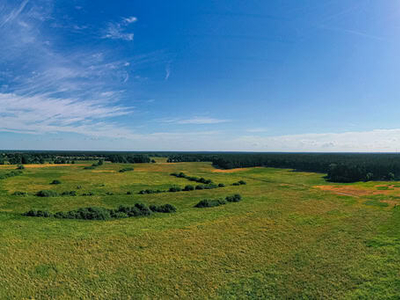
pixel 339 167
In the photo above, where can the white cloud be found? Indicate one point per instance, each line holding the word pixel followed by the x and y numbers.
pixel 378 140
pixel 117 30
pixel 130 20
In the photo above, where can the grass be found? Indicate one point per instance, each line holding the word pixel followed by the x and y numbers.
pixel 285 239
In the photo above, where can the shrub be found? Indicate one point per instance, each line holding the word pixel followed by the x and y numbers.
pixel 88 194
pixel 47 193
pixel 20 167
pixel 126 169
pixel 139 209
pixel 236 183
pixel 55 181
pixel 234 198
pixel 189 188
pixel 166 208
pixel 210 203
pixel 87 213
pixel 129 193
pixel 79 187
pixel 142 192
pixel 68 193
pixel 174 189
pixel 89 168
pixel 242 182
pixel 199 187
pixel 37 213
pixel 18 193
pixel 109 193
pixel 221 185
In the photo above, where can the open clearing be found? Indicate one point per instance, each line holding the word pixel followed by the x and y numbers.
pixel 294 236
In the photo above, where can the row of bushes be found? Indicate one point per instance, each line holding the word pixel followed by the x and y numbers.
pixel 218 202
pixel 187 188
pixel 101 213
pixel 49 193
pixel 240 182
pixel 192 178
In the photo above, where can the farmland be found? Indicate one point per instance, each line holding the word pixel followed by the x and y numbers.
pixel 293 235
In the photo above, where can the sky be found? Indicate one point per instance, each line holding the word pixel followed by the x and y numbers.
pixel 191 75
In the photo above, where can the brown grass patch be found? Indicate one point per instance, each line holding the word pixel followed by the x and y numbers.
pixel 349 190
pixel 231 170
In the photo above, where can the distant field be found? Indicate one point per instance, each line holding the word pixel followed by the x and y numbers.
pixel 294 236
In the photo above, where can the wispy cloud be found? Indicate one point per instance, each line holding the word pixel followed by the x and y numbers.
pixel 117 30
pixel 194 120
pixel 167 72
pixel 13 14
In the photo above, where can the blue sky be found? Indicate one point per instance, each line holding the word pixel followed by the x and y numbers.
pixel 200 75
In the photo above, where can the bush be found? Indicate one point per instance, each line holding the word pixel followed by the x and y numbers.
pixel 234 198
pixel 139 209
pixel 199 187
pixel 79 187
pixel 18 193
pixel 210 203
pixel 109 193
pixel 126 169
pixel 55 181
pixel 221 185
pixel 174 189
pixel 189 188
pixel 88 213
pixel 129 193
pixel 242 182
pixel 166 208
pixel 20 167
pixel 89 168
pixel 68 193
pixel 236 183
pixel 37 213
pixel 47 193
pixel 142 192
pixel 88 194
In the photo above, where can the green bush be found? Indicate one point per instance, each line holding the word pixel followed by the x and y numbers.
pixel 87 213
pixel 47 193
pixel 129 193
pixel 234 198
pixel 236 183
pixel 18 193
pixel 126 169
pixel 55 181
pixel 89 168
pixel 109 193
pixel 88 194
pixel 242 182
pixel 174 189
pixel 20 167
pixel 210 203
pixel 189 188
pixel 37 213
pixel 166 208
pixel 142 192
pixel 221 185
pixel 68 193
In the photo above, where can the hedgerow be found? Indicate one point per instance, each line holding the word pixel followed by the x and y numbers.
pixel 101 213
pixel 47 193
pixel 218 202
pixel 18 193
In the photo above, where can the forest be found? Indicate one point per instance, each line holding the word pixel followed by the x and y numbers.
pixel 339 167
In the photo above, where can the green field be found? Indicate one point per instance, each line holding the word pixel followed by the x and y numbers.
pixel 287 239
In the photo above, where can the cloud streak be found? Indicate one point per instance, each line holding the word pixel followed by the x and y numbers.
pixel 117 30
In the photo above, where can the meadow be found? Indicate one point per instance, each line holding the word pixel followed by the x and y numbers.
pixel 293 236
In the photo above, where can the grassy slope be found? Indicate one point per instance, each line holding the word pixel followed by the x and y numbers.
pixel 285 240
